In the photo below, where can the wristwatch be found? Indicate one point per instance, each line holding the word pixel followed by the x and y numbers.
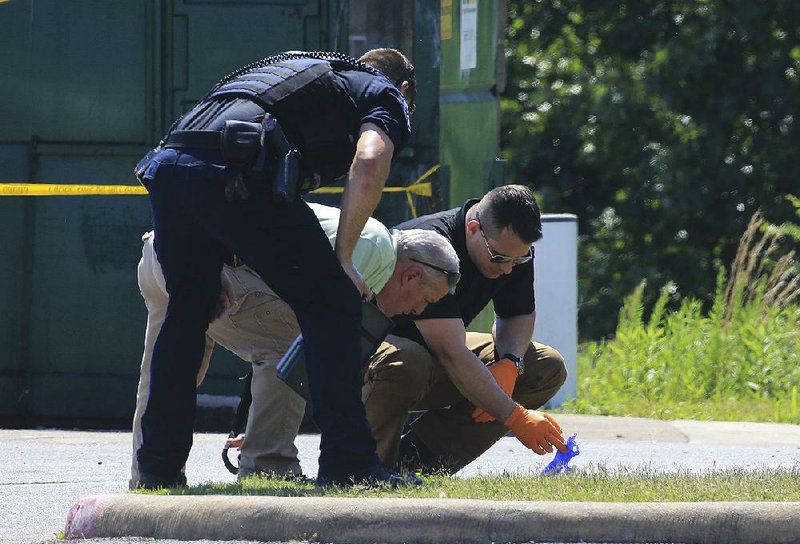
pixel 518 362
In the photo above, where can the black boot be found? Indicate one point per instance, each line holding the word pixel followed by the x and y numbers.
pixel 376 476
pixel 151 481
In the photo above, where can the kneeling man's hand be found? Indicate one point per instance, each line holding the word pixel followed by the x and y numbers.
pixel 536 430
pixel 505 374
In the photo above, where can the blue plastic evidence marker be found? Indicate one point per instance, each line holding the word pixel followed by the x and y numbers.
pixel 560 462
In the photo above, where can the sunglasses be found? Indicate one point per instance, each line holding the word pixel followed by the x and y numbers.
pixel 452 277
pixel 499 257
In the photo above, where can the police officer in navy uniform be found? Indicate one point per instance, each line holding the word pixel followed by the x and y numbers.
pixel 225 182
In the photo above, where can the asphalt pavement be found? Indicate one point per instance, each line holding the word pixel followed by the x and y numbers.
pixel 44 472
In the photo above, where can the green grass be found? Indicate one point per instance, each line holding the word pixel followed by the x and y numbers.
pixel 584 484
pixel 740 362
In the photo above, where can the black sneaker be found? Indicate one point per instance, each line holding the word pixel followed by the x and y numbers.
pixel 151 481
pixel 376 476
pixel 415 456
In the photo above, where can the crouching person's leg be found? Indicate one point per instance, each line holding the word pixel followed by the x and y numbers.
pixel 260 328
pixel 397 376
pixel 272 425
pixel 446 440
pixel 545 373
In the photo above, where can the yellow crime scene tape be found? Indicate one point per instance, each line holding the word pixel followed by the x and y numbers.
pixel 57 189
pixel 417 188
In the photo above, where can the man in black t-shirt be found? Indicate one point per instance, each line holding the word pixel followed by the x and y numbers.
pixel 473 387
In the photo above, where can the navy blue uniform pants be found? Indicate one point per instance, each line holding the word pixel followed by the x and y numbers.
pixel 196 229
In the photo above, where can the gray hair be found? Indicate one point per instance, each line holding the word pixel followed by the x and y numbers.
pixel 428 247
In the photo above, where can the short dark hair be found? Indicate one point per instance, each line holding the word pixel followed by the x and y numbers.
pixel 511 206
pixel 394 65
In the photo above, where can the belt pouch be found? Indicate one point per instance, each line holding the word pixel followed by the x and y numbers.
pixel 241 142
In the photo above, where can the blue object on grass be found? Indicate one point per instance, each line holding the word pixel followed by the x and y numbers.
pixel 560 462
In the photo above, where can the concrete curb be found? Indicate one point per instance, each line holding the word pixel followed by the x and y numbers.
pixel 429 521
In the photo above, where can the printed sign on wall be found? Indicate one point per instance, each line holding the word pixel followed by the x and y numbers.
pixel 469 34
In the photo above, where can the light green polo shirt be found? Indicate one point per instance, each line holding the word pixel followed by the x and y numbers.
pixel 375 253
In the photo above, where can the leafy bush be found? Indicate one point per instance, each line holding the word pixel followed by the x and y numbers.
pixel 740 361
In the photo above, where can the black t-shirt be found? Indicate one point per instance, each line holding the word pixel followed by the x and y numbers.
pixel 512 294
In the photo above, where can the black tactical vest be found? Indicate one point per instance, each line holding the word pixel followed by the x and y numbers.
pixel 269 84
pixel 309 101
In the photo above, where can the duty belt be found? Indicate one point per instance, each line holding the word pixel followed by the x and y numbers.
pixel 239 143
pixel 242 144
pixel 260 148
pixel 194 139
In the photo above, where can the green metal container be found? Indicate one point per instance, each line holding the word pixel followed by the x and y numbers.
pixel 89 86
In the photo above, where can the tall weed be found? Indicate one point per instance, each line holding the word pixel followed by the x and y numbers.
pixel 738 361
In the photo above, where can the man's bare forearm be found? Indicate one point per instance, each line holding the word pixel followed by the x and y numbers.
pixel 513 334
pixel 446 339
pixel 477 384
pixel 368 174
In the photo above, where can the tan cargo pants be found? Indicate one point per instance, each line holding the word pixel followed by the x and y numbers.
pixel 403 376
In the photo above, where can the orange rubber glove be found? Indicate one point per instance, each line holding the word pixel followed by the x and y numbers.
pixel 505 374
pixel 536 430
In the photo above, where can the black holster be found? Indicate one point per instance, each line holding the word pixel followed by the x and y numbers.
pixel 286 174
pixel 240 143
pixel 265 150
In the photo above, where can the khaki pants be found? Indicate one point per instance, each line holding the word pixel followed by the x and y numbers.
pixel 259 329
pixel 403 376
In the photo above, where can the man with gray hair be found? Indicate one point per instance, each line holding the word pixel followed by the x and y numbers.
pixel 407 270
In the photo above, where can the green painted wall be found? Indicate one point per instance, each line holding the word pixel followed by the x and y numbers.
pixel 469 109
pixel 469 103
